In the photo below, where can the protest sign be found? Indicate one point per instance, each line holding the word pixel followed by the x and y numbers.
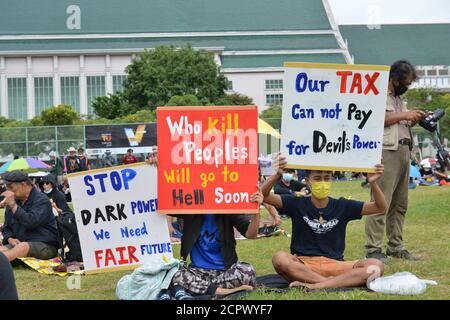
pixel 333 116
pixel 115 210
pixel 207 159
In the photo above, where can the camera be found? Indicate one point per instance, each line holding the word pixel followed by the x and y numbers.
pixel 430 122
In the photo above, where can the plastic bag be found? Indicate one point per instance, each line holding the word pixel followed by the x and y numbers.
pixel 403 283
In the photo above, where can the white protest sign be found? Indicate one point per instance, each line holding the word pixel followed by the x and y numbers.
pixel 115 210
pixel 333 116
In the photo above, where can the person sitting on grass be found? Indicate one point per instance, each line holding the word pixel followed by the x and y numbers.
pixel 57 198
pixel 288 185
pixel 214 269
pixel 316 260
pixel 30 226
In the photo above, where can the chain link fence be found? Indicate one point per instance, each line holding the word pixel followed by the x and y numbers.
pixel 37 142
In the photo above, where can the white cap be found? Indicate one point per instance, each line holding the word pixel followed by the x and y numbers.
pixel 52 154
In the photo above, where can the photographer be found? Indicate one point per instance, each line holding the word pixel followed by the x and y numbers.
pixel 30 226
pixel 397 144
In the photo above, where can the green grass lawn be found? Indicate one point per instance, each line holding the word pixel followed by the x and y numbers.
pixel 427 233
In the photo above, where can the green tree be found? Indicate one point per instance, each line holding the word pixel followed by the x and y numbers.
pixel 156 76
pixel 234 99
pixel 186 100
pixel 60 115
pixel 272 112
pixel 112 106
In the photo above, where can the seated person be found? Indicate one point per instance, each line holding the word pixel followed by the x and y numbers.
pixel 288 185
pixel 65 189
pixel 316 259
pixel 427 175
pixel 209 240
pixel 30 226
pixel 441 173
pixel 58 199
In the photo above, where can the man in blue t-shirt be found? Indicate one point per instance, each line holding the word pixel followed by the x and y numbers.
pixel 319 225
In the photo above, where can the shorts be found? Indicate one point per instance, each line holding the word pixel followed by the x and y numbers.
pixel 327 267
pixel 39 250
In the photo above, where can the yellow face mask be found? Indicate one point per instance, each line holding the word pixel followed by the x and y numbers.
pixel 321 190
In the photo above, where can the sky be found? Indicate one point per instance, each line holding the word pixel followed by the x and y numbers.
pixel 390 11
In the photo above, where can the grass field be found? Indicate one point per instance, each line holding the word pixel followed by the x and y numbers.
pixel 427 233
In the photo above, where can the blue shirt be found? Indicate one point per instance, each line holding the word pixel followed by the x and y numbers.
pixel 310 237
pixel 207 251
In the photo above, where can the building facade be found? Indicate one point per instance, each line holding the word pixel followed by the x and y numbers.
pixel 72 51
pixel 69 52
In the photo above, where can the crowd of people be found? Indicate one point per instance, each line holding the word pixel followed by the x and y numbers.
pixel 315 258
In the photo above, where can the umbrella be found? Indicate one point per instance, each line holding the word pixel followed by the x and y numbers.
pixel 264 127
pixel 414 172
pixel 38 174
pixel 24 164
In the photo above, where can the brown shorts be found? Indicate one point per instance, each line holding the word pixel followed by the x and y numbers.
pixel 327 267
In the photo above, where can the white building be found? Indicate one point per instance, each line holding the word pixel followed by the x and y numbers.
pixel 69 52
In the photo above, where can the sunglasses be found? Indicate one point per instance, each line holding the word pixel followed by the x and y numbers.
pixel 46 182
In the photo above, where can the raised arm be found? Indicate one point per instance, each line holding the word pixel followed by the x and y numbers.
pixel 279 163
pixel 379 205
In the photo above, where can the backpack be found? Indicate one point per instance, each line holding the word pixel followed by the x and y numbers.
pixel 68 233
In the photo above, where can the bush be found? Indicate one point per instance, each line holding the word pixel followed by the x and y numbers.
pixel 59 116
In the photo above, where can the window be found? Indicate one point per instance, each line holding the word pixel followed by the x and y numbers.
pixel 274 84
pixel 95 88
pixel 432 72
pixel 443 72
pixel 43 94
pixel 118 82
pixel 420 72
pixel 230 85
pixel 17 98
pixel 274 99
pixel 70 92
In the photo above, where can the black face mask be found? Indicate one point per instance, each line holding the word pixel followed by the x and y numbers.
pixel 399 90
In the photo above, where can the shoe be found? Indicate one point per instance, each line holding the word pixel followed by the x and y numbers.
pixel 180 294
pixel 164 295
pixel 60 268
pixel 402 254
pixel 378 255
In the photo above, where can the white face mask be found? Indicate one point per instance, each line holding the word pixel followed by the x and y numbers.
pixel 288 177
pixel 48 191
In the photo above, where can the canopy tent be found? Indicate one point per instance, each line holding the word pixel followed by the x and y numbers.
pixel 264 127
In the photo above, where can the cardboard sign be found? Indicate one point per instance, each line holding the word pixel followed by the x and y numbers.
pixel 333 116
pixel 207 159
pixel 115 210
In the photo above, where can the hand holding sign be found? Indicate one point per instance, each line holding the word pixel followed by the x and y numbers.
pixel 279 163
pixel 372 177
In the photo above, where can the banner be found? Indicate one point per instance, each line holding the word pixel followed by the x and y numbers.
pixel 116 217
pixel 207 159
pixel 119 138
pixel 333 116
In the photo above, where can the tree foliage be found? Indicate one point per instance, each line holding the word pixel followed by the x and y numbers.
pixel 156 76
pixel 58 116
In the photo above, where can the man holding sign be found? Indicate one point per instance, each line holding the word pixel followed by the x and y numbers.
pixel 209 240
pixel 319 226
pixel 208 173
